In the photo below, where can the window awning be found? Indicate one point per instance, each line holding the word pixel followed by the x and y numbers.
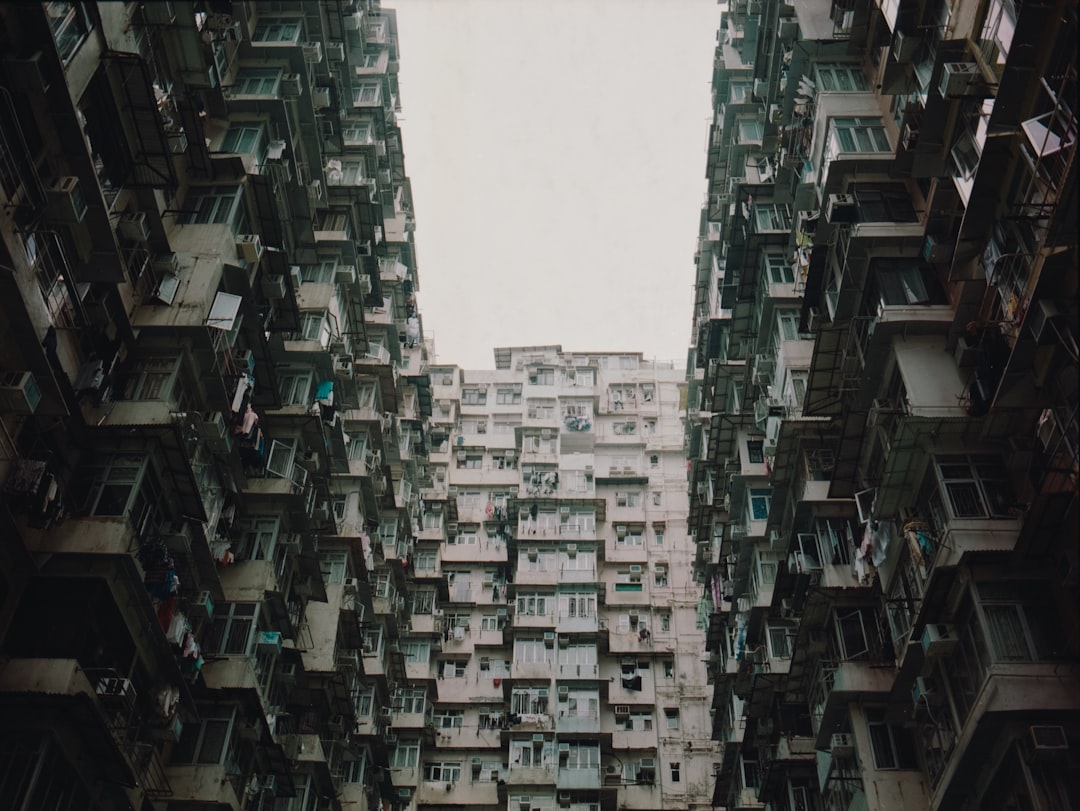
pixel 223 311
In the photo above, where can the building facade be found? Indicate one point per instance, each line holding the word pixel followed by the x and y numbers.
pixel 882 420
pixel 214 400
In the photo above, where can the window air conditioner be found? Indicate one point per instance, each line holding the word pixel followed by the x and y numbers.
pixel 291 85
pixel 1047 744
pixel 19 392
pixel 841 208
pixel 320 97
pixel 313 51
pixel 904 46
pixel 571 550
pixel 202 607
pixel 938 639
pixel 335 51
pixel 538 738
pixel 549 638
pixel 249 247
pixel 134 226
pixel 958 78
pixel 635 568
pixel 66 203
pixel 564 798
pixel 842 745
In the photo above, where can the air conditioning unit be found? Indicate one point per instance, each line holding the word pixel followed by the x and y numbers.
pixel 549 638
pixel 958 78
pixel 588 470
pixel 564 798
pixel 19 392
pixel 335 51
pixel 365 284
pixel 842 744
pixel 313 51
pixel 620 530
pixel 538 738
pixel 249 248
pixel 477 765
pixel 564 692
pixel 274 287
pixel 635 568
pixel 938 639
pixel 564 750
pixel 66 203
pixel 533 553
pixel 841 208
pixel 1047 744
pixel 291 85
pixel 320 97
pixel 345 274
pixel 135 226
pixel 115 690
pixel 297 276
pixel 904 46
pixel 201 608
pixel 776 114
pixel 571 550
pixel 268 642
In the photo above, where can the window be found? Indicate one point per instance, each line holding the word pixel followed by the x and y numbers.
pixel 416 652
pixel 669 668
pixel 510 396
pixel 676 771
pixel 632 537
pixel 367 93
pixel 442 772
pixel 841 78
pixel 657 498
pixel 315 327
pixel 772 217
pixel 531 605
pixel 658 536
pixel 648 392
pixel 259 534
pixel 248 139
pixel 630 499
pixel 671 716
pixel 903 284
pixel 892 745
pixel 294 385
pixel 334 567
pixel 530 650
pixel 69 24
pixel 884 202
pixel 577 605
pixel 473 396
pixel 858 135
pixel 780 637
pixel 257 82
pixel 660 575
pixel 638 722
pixel 150 379
pixel 351 172
pixel 222 205
pixel 453 669
pixel 750 130
pixel 627 428
pixel 423 601
pixel 664 616
pixel 975 486
pixel 542 377
pixel 759 504
pixel 856 635
pixel 276 31
pixel 777 268
pixel 356 132
pixel 406 755
pixel 755 450
pixel 207 741
pixel 233 629
pixel 787 325
pixel 124 484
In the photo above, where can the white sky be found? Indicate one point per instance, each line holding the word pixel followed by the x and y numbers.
pixel 556 150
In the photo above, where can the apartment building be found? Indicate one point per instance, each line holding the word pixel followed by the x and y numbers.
pixel 214 393
pixel 882 420
pixel 555 648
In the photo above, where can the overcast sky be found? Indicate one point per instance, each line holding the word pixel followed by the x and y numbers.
pixel 556 150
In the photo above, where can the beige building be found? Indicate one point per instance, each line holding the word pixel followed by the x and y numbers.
pixel 556 624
